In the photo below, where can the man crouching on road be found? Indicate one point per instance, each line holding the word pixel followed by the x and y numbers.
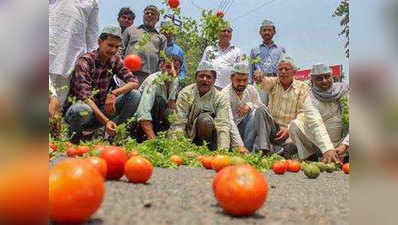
pixel 90 83
pixel 203 113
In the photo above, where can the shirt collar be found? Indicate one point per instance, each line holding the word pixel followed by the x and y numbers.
pixel 146 28
pixel 233 92
pixel 207 95
pixel 294 84
pixel 171 45
pixel 230 47
pixel 98 59
pixel 272 45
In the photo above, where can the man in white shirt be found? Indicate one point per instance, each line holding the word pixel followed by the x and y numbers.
pixel 73 31
pixel 223 57
pixel 244 100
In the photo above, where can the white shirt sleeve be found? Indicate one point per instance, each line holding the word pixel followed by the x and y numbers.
pixel 92 32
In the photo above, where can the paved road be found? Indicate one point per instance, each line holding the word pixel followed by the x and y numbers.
pixel 184 196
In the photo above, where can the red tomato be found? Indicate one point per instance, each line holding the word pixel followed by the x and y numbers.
pixel 241 190
pixel 174 3
pixel 68 145
pixel 138 169
pixel 99 148
pixel 76 191
pixel 23 188
pixel 218 176
pixel 346 168
pixel 133 62
pixel 115 158
pixel 293 166
pixel 52 146
pixel 71 152
pixel 99 164
pixel 133 153
pixel 199 158
pixel 81 150
pixel 207 161
pixel 220 14
pixel 219 162
pixel 279 167
pixel 176 159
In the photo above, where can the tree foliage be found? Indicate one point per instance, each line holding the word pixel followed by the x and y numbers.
pixel 344 12
pixel 194 35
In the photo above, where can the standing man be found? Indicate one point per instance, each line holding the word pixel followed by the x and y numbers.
pixel 244 100
pixel 93 74
pixel 223 57
pixel 172 47
pixel 146 42
pixel 73 31
pixel 203 113
pixel 325 96
pixel 125 18
pixel 269 53
pixel 158 97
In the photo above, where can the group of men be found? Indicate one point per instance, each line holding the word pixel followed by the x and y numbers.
pixel 222 108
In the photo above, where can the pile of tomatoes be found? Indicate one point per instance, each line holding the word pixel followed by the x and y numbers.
pixel 234 185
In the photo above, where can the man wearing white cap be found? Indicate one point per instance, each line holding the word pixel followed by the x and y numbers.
pixel 326 97
pixel 223 57
pixel 203 113
pixel 90 103
pixel 289 100
pixel 244 100
pixel 268 52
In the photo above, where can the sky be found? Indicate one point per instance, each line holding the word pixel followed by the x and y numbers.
pixel 305 28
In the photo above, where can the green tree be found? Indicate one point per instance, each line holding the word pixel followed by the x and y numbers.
pixel 194 35
pixel 344 12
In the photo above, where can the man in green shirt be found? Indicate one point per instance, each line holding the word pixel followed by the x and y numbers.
pixel 202 112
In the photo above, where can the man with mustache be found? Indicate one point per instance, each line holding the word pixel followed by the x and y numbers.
pixel 325 96
pixel 223 57
pixel 154 43
pixel 203 113
pixel 269 53
pixel 159 93
pixel 244 100
pixel 289 100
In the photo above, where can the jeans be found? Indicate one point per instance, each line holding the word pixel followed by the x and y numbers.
pixel 80 116
pixel 246 130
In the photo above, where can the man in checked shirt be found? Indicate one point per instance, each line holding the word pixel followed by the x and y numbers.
pixel 89 104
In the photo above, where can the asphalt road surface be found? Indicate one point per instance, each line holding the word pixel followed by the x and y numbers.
pixel 184 196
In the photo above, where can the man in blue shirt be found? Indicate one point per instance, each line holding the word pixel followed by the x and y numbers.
pixel 268 52
pixel 171 47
